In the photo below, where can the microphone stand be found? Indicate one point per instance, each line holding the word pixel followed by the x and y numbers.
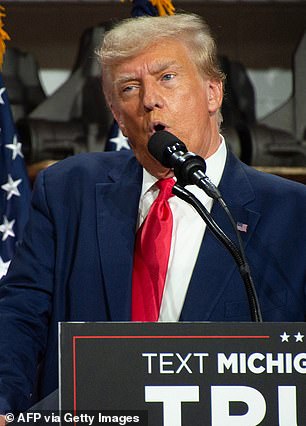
pixel 239 258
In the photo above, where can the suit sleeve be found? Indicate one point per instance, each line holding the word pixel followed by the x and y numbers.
pixel 25 305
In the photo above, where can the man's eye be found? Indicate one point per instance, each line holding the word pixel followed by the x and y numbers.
pixel 168 76
pixel 127 89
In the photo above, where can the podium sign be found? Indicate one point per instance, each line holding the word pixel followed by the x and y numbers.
pixel 173 374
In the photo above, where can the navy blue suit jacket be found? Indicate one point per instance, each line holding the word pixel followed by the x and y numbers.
pixel 75 263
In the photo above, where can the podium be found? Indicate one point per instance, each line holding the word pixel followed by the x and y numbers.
pixel 173 374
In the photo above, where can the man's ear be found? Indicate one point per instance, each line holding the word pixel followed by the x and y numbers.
pixel 118 118
pixel 215 95
pixel 109 100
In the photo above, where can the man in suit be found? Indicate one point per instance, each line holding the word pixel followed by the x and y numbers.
pixel 76 260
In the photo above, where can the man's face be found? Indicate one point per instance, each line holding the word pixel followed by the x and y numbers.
pixel 161 88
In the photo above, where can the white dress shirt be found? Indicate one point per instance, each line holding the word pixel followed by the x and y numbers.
pixel 187 234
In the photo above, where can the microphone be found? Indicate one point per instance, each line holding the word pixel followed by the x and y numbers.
pixel 188 167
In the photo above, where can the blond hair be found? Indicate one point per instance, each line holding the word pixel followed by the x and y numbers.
pixel 132 36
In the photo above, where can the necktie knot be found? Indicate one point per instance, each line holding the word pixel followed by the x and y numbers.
pixel 165 186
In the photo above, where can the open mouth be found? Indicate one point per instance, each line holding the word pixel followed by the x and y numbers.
pixel 159 127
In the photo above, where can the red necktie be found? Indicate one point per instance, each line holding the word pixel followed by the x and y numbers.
pixel 152 249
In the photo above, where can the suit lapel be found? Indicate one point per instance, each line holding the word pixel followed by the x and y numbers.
pixel 117 207
pixel 215 265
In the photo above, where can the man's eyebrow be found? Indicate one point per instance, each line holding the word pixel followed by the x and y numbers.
pixel 124 78
pixel 160 66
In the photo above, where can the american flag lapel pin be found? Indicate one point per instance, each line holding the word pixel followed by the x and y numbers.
pixel 242 227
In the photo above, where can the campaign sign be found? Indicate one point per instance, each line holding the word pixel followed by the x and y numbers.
pixel 173 374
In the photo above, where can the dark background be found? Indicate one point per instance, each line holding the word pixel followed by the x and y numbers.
pixel 260 34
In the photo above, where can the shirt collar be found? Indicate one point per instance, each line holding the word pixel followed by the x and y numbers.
pixel 214 170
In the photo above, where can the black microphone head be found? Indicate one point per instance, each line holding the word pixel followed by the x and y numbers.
pixel 162 145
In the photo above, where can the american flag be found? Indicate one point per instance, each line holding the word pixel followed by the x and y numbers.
pixel 116 141
pixel 242 227
pixel 14 184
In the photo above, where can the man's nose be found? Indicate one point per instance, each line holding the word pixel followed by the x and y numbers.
pixel 152 98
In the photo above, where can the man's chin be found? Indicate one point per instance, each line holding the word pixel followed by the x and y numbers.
pixel 163 174
pixel 152 166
